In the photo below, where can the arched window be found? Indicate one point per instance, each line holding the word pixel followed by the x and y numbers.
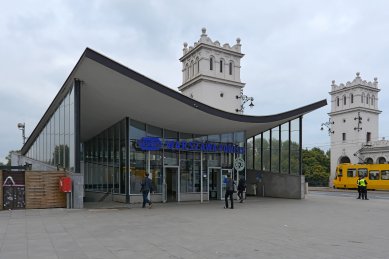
pixel 211 63
pixel 381 160
pixel 344 159
pixel 187 72
pixel 344 100
pixel 362 97
pixel 192 65
pixel 198 65
pixel 337 101
pixel 372 100
pixel 230 68
pixel 221 66
pixel 369 160
pixel 367 99
pixel 351 98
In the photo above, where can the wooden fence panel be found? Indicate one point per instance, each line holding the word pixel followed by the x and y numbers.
pixel 42 190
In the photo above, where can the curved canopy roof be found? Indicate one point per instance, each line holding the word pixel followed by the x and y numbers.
pixel 111 91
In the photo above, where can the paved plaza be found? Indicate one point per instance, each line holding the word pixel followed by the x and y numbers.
pixel 319 226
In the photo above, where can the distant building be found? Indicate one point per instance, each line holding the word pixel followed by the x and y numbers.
pixel 353 124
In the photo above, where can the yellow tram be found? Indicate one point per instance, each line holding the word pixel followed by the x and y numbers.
pixel 377 176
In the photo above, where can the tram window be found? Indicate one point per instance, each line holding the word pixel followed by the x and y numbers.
pixel 362 172
pixel 340 172
pixel 385 174
pixel 352 172
pixel 374 175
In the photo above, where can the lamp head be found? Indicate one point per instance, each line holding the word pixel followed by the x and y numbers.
pixel 251 105
pixel 21 125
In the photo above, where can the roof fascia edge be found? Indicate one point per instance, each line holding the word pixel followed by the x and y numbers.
pixel 119 68
pixel 52 107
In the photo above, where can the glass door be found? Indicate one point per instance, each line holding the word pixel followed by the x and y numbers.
pixel 215 192
pixel 223 180
pixel 170 185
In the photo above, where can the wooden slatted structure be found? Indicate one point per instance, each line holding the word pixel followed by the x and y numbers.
pixel 42 190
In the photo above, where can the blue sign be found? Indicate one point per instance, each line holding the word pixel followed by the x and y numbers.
pixel 151 143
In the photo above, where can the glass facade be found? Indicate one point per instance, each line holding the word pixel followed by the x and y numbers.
pixel 105 160
pixel 180 166
pixel 277 150
pixel 55 143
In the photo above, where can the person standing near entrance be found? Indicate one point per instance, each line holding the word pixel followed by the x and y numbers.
pixel 241 188
pixel 229 192
pixel 363 184
pixel 147 187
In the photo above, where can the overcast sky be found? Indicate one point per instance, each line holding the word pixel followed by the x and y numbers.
pixel 293 50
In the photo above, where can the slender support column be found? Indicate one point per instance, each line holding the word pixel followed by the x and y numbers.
pixel 301 145
pixel 77 122
pixel 128 160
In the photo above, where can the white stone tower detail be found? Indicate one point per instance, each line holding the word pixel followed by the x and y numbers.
pixel 354 120
pixel 211 73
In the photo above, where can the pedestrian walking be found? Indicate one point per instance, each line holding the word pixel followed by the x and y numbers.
pixel 241 188
pixel 229 192
pixel 147 187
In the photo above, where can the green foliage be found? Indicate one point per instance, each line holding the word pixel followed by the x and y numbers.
pixel 8 158
pixel 316 167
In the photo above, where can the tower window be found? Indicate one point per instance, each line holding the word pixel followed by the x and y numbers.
pixel 221 66
pixel 344 100
pixel 367 99
pixel 230 68
pixel 211 63
pixel 198 66
pixel 337 101
pixel 344 136
pixel 368 136
pixel 362 97
pixel 352 98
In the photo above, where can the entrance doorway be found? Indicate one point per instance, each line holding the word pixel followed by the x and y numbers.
pixel 217 182
pixel 170 184
pixel 214 183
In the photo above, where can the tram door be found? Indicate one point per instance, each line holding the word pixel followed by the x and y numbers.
pixel 170 184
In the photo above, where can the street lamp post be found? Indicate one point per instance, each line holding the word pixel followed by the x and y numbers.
pixel 22 127
pixel 245 99
pixel 328 125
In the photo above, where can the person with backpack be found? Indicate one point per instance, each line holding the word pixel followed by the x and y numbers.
pixel 229 191
pixel 147 187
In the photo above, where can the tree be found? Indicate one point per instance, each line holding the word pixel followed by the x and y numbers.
pixel 316 167
pixel 8 158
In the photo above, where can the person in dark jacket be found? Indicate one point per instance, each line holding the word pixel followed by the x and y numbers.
pixel 241 188
pixel 229 192
pixel 147 187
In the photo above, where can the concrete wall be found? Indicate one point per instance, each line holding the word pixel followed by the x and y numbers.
pixel 19 160
pixel 276 185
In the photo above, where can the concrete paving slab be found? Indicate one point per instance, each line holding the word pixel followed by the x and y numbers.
pixel 319 226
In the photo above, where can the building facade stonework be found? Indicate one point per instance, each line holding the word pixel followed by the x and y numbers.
pixel 211 73
pixel 353 124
